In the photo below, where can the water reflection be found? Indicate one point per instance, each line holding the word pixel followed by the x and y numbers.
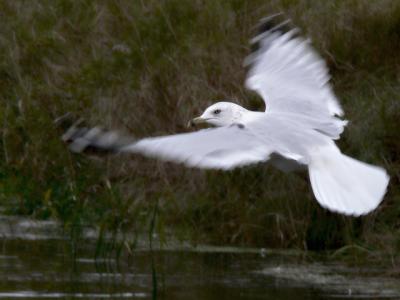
pixel 36 263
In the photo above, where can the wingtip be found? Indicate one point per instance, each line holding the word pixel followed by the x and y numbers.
pixel 269 22
pixel 268 29
pixel 94 140
pixel 274 23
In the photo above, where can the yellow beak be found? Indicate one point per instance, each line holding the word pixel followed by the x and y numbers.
pixel 196 121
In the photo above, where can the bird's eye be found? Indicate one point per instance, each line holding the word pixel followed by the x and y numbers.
pixel 217 111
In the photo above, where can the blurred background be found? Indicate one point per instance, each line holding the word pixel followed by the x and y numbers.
pixel 145 68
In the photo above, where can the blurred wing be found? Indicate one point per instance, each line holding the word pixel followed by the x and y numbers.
pixel 215 148
pixel 289 75
pixel 218 148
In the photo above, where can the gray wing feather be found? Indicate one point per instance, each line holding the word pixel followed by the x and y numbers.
pixel 293 79
pixel 218 148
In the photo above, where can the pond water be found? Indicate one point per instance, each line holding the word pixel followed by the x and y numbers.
pixel 36 262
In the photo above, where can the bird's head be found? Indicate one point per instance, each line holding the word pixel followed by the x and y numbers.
pixel 220 114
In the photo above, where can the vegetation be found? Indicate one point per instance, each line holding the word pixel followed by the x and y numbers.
pixel 146 68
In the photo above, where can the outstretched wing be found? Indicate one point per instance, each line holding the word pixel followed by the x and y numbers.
pixel 289 75
pixel 216 148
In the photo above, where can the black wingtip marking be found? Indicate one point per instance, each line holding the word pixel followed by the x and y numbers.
pixel 94 140
pixel 238 125
pixel 275 24
pixel 271 23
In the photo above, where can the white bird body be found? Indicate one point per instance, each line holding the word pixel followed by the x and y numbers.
pixel 298 128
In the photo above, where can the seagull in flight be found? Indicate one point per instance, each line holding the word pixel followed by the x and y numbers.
pixel 298 128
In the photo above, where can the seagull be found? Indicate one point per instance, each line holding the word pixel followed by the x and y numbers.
pixel 298 129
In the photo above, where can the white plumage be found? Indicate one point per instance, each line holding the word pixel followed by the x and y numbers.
pixel 299 126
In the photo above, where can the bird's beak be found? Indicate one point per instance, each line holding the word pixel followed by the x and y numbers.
pixel 196 121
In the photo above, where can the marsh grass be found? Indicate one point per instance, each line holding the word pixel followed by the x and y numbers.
pixel 145 68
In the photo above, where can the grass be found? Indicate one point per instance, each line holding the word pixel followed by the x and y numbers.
pixel 146 68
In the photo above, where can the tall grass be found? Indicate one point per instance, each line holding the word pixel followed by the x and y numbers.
pixel 146 68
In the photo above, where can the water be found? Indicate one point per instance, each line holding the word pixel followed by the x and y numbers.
pixel 36 262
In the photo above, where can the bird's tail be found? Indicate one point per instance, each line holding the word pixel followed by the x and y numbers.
pixel 345 185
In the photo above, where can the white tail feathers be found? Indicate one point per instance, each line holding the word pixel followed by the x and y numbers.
pixel 345 185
